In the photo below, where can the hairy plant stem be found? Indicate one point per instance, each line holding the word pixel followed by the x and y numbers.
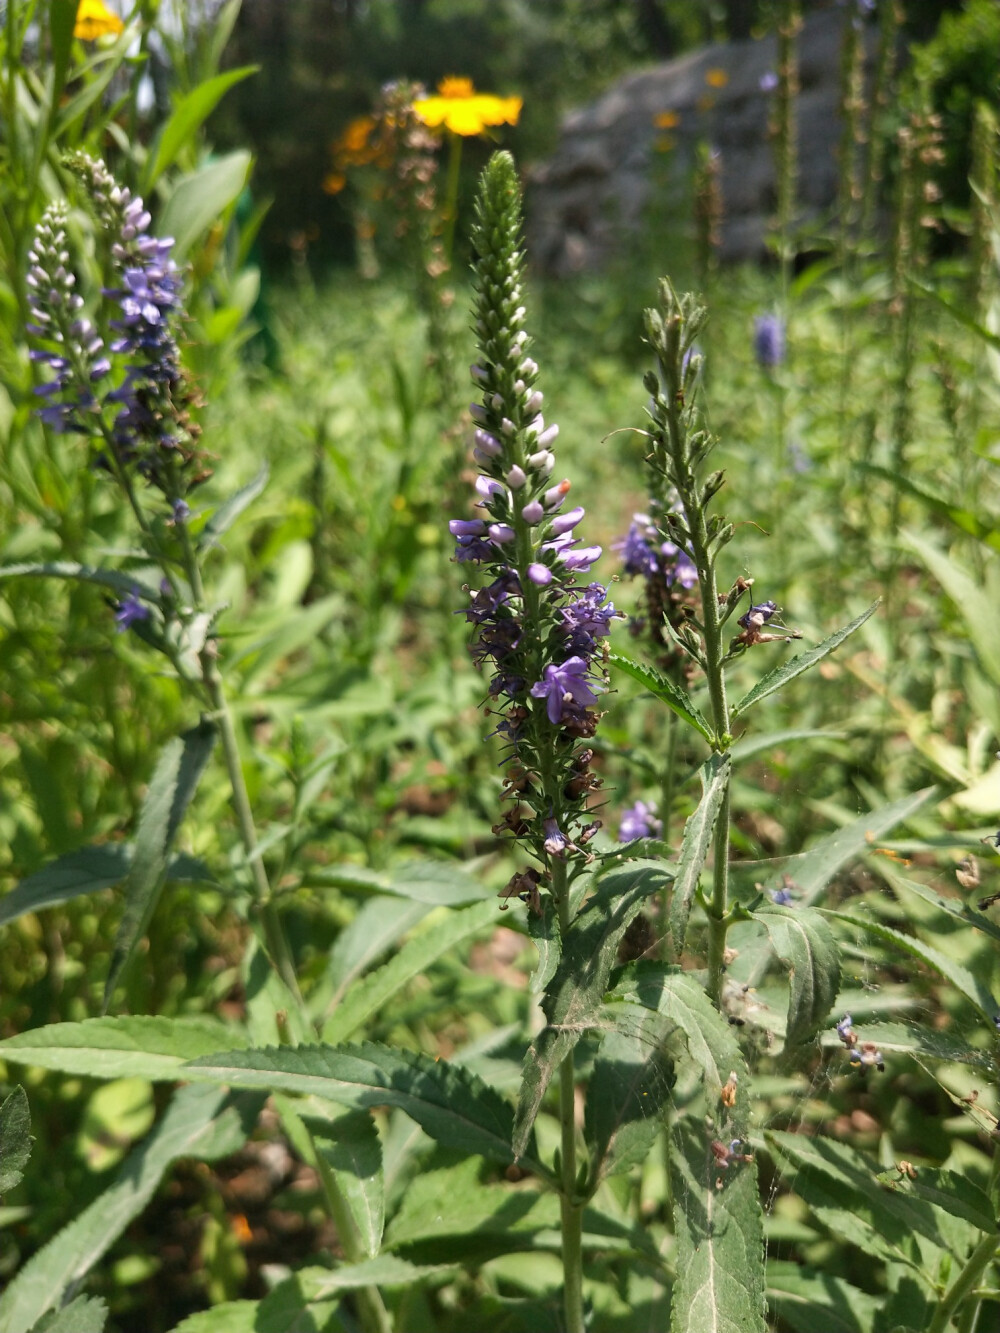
pixel 571 1207
pixel 966 1283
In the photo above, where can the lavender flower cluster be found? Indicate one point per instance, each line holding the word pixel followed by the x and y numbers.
pixel 645 554
pixel 538 631
pixel 143 420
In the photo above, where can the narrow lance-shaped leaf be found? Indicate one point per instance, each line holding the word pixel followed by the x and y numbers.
pixel 200 1122
pixel 781 675
pixel 88 870
pixel 200 199
pixel 666 691
pixel 123 584
pixel 15 1138
pixel 186 118
pixel 805 944
pixel 949 1190
pixel 970 598
pixel 450 1104
pixel 173 785
pixel 573 998
pixel 960 977
pixel 229 511
pixel 349 1147
pixel 714 774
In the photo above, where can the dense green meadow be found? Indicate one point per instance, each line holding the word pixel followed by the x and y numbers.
pixel 346 987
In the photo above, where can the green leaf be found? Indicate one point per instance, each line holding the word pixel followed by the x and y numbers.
pixel 84 1315
pixel 805 944
pixel 971 601
pixel 201 1122
pixel 627 1095
pixel 920 1042
pixel 349 1147
pixel 960 977
pixel 450 1104
pixel 137 1047
pixel 188 116
pixel 544 931
pixel 364 999
pixel 748 746
pixel 15 1139
pixel 719 1230
pixel 813 870
pixel 174 781
pixel 963 519
pixel 123 584
pixel 230 1317
pixel 386 1271
pixel 837 1182
pixel 715 774
pixel 88 870
pixel 666 691
pixel 573 998
pixel 436 883
pixel 954 1193
pixel 62 20
pixel 229 511
pixel 953 906
pixel 781 675
pixel 201 198
pixel 375 928
pixel 809 1300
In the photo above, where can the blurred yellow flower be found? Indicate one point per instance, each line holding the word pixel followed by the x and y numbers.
pixel 716 78
pixel 334 182
pixel 93 20
pixel 667 120
pixel 459 108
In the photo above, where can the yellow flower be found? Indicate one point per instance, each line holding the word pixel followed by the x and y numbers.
pixel 459 108
pixel 93 20
pixel 667 120
pixel 716 78
pixel 334 182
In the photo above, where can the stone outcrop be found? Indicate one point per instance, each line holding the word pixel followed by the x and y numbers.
pixel 616 170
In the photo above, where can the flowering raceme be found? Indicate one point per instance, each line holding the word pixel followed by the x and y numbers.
pixel 538 630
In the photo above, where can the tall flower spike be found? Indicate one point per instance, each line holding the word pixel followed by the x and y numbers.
pixel 540 632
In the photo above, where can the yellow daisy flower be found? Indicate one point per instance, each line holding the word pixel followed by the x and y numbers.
pixel 459 108
pixel 93 20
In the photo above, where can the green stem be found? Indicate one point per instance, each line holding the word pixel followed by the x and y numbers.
pixel 571 1207
pixel 966 1282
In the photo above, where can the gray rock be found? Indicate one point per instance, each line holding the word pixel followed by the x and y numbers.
pixel 611 173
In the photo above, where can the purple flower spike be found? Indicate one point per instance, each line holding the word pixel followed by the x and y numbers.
pixel 564 684
pixel 769 341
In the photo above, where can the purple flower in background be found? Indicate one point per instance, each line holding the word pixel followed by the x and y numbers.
pixel 769 340
pixel 128 611
pixel 768 81
pixel 782 897
pixel 678 567
pixel 638 555
pixel 639 821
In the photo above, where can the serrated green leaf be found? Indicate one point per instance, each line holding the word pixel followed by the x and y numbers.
pixel 200 199
pixel 666 691
pixel 960 977
pixel 229 511
pixel 449 1103
pixel 806 946
pixel 714 774
pixel 349 1147
pixel 953 906
pixel 125 585
pixel 954 1193
pixel 15 1139
pixel 364 999
pixel 781 675
pixel 173 784
pixel 191 111
pixel 627 1095
pixel 388 1270
pixel 201 1122
pixel 809 1300
pixel 142 1046
pixel 813 870
pixel 573 998
pixel 434 883
pixel 88 870
pixel 543 928
pixel 84 1315
pixel 912 1039
pixel 719 1230
pixel 835 1179
pixel 229 1317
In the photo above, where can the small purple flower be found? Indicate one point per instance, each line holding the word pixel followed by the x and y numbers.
pixel 588 618
pixel 128 611
pixel 683 570
pixel 556 841
pixel 844 1027
pixel 566 683
pixel 638 556
pixel 758 615
pixel 769 340
pixel 639 821
pixel 540 575
pixel 768 81
pixel 782 897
